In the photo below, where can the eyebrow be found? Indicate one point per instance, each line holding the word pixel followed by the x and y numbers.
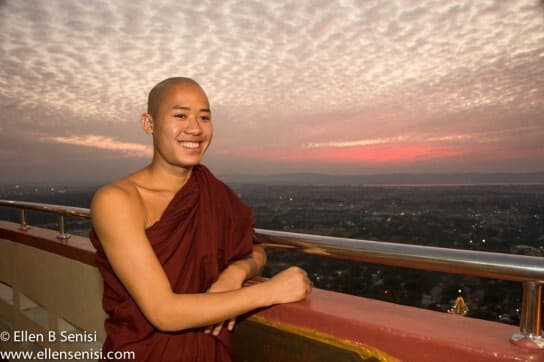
pixel 188 109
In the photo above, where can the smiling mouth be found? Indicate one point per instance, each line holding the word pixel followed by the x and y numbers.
pixel 191 145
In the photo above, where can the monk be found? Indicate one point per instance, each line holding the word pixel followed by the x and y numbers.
pixel 175 244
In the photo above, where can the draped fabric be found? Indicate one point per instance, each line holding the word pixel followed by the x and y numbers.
pixel 204 228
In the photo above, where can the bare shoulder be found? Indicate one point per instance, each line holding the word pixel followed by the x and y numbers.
pixel 119 194
pixel 118 202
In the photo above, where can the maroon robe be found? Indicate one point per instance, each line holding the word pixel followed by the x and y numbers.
pixel 204 228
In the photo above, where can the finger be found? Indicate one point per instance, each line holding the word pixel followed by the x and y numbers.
pixel 217 329
pixel 230 327
pixel 208 329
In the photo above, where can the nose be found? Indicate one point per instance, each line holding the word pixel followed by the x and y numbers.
pixel 193 126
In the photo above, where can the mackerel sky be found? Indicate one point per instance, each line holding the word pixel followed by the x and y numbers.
pixel 349 87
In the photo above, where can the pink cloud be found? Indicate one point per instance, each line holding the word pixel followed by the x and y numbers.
pixel 373 154
pixel 105 143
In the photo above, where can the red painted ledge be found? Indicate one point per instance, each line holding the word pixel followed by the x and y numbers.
pixel 408 333
pixel 76 247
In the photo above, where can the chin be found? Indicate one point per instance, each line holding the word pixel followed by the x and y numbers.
pixel 188 162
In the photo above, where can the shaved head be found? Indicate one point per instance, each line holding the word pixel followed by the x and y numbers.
pixel 157 92
pixel 179 119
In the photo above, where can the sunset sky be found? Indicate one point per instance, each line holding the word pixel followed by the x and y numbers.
pixel 349 87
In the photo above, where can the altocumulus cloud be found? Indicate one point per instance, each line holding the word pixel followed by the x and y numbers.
pixel 105 143
pixel 281 76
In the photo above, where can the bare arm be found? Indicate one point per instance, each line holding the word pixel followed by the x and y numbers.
pixel 247 267
pixel 232 278
pixel 118 219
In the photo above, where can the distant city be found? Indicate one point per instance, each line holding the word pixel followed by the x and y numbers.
pixel 504 218
pixel 422 179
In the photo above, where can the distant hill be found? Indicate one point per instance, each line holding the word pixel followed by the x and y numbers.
pixel 310 179
pixel 389 179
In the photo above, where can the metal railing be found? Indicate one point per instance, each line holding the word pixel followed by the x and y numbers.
pixel 60 210
pixel 528 270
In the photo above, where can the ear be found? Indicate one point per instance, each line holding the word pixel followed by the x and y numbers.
pixel 147 123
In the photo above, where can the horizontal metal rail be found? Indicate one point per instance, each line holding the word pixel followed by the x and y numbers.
pixel 454 261
pixel 60 210
pixel 526 269
pixel 49 208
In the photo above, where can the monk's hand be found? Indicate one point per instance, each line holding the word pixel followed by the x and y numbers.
pixel 229 279
pixel 290 285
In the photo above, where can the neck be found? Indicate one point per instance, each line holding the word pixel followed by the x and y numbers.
pixel 167 176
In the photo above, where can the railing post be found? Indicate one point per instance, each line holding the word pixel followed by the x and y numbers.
pixel 22 220
pixel 530 334
pixel 62 235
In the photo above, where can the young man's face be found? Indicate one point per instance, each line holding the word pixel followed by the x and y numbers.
pixel 183 129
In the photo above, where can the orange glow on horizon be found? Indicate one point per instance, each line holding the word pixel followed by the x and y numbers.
pixel 372 154
pixel 390 154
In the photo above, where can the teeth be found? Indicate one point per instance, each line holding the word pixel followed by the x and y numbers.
pixel 191 144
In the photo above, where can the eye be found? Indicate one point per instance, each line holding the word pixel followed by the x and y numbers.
pixel 205 118
pixel 180 115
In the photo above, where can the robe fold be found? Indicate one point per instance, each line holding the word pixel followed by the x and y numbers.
pixel 204 228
